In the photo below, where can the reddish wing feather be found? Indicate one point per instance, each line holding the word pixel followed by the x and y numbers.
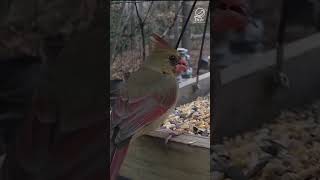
pixel 117 160
pixel 132 115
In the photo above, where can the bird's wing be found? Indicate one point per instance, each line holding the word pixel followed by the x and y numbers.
pixel 128 116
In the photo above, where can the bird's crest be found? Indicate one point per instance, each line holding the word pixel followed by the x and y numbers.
pixel 159 42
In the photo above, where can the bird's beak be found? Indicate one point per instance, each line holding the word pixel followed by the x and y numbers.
pixel 181 66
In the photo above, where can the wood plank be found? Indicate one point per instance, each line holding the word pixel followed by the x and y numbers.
pixel 188 139
pixel 259 61
pixel 250 101
pixel 150 158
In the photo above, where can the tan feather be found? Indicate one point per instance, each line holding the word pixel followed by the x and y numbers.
pixel 159 42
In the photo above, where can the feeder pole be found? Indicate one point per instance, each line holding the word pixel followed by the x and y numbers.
pixel 281 78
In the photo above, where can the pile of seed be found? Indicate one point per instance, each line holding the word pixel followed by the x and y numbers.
pixel 192 118
pixel 288 149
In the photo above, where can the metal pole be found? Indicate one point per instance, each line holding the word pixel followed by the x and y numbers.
pixel 281 35
pixel 281 77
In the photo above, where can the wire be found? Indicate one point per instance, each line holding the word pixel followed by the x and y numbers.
pixel 185 24
pixel 173 22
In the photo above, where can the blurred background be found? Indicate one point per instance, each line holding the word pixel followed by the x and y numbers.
pixel 162 17
pixel 132 23
pixel 233 45
pixel 266 117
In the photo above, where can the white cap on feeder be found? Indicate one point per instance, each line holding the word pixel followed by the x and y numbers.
pixel 182 50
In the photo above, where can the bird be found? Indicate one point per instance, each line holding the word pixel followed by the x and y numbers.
pixel 144 100
pixel 230 15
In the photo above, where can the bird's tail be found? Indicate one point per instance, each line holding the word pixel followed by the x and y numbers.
pixel 117 158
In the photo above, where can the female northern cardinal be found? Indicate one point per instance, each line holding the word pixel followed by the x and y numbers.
pixel 144 100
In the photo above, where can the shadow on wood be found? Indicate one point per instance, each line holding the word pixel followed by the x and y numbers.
pixel 245 100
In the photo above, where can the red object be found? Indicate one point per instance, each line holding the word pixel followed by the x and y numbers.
pixel 230 15
pixel 182 66
pixel 117 160
pixel 132 115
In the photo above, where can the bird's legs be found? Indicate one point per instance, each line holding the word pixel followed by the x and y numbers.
pixel 172 134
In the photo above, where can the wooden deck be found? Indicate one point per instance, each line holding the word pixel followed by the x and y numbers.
pixel 185 157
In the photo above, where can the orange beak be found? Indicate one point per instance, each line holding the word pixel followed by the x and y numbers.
pixel 181 66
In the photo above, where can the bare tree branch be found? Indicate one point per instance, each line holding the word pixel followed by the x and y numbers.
pixel 146 16
pixel 173 22
pixel 142 33
pixel 114 46
pixel 122 32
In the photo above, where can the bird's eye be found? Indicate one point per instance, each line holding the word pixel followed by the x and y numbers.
pixel 173 60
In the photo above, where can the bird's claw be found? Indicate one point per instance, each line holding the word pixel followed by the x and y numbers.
pixel 167 139
pixel 171 135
